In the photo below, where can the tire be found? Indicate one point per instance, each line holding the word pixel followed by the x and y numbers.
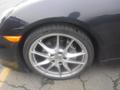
pixel 63 61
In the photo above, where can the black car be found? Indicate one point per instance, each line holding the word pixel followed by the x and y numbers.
pixel 60 38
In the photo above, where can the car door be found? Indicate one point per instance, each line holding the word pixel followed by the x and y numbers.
pixel 106 27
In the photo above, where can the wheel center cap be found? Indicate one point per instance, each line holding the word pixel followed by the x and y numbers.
pixel 59 57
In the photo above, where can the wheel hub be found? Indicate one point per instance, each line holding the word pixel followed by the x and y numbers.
pixel 58 58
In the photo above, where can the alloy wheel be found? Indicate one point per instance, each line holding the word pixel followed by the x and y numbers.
pixel 58 55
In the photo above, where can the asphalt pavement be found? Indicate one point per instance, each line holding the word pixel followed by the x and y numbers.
pixel 99 77
pixel 105 76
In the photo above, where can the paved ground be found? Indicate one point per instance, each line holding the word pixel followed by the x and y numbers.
pixel 98 77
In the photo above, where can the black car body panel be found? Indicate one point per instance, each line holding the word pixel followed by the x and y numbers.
pixel 100 19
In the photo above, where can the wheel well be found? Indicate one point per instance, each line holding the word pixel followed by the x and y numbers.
pixel 81 26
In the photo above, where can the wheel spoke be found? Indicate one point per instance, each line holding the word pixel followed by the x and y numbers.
pixel 66 67
pixel 51 66
pixel 68 46
pixel 57 43
pixel 43 63
pixel 59 69
pixel 40 54
pixel 74 62
pixel 72 55
pixel 49 50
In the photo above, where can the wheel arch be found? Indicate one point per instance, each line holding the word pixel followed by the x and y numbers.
pixel 61 20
